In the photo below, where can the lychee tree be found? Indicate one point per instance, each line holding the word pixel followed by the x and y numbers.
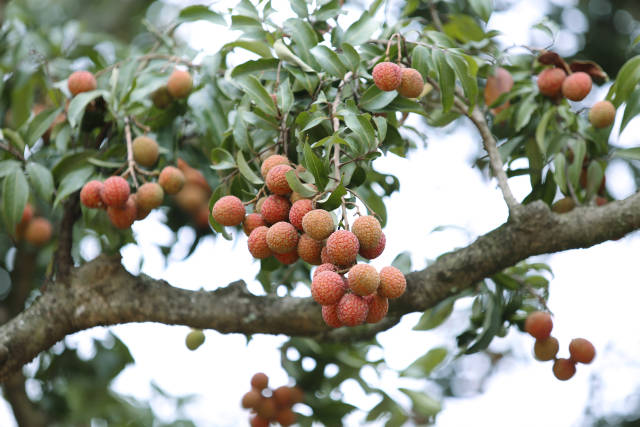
pixel 276 135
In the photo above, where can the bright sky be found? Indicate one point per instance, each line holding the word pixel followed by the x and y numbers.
pixel 593 295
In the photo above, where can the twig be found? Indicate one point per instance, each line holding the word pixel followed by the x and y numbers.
pixel 357 196
pixel 12 150
pixel 336 147
pixel 144 128
pixel 131 163
pixel 434 16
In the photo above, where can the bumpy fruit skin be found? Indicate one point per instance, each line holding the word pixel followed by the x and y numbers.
pixel 547 349
pixel 564 369
pixel 330 315
pixel 275 208
pixel 161 97
pixel 324 257
pixel 277 180
pixel 539 325
pixel 258 207
pixel 122 217
pixel 81 81
pixel 145 151
pixel 251 222
pixel 343 247
pixel 193 176
pixel 194 339
pixel 38 231
pixel 191 197
pixel 149 196
pixel 228 210
pixel 378 308
pixel 363 279
pixel 257 243
pixel 294 197
pixel 563 205
pixel 259 381
pixel 298 210
pixel 179 84
pixel 141 212
pixel 309 250
pixel 376 251
pixel 324 267
pixel 171 179
pixel 326 288
pixel 411 84
pixel 352 310
pixel 318 224
pixel 288 258
pixel 602 114
pixel 392 282
pixel 271 161
pixel 581 350
pixel 387 76
pixel 115 191
pixel 550 81
pixel 368 231
pixel 90 194
pixel 251 399
pixel 282 237
pixel 497 84
pixel 577 86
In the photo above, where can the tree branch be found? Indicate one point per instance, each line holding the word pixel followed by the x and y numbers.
pixel 102 293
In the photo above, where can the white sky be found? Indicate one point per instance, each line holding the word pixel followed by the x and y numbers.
pixel 593 295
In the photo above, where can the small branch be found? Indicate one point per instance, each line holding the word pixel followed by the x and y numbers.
pixel 336 147
pixel 131 163
pixel 434 16
pixel 11 150
pixel 357 196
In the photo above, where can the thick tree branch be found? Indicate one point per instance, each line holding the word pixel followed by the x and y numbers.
pixel 101 292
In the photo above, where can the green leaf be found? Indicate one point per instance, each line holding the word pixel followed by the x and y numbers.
pixel 314 122
pixel 106 163
pixel 541 130
pixel 80 102
pixel 39 125
pixel 316 167
pixel 72 181
pixel 525 110
pixel 258 94
pixel 15 193
pixel 491 324
pixel 41 180
pixel 626 81
pixel 467 79
pixel 8 167
pixel 422 404
pixel 329 61
pixel 297 186
pixel 200 12
pixel 283 52
pixel 374 99
pixel 424 365
pixel 402 262
pixel 435 316
pixel 362 127
pixel 575 169
pixel 628 153
pixel 381 124
pixel 420 59
pixel 221 159
pixel 559 175
pixel 259 66
pixel 335 199
pixel 299 7
pixel 446 79
pixel 13 138
pixel 5 283
pixel 361 30
pixel 246 171
pixel 350 56
pixel 483 8
pixel 256 46
pixel 285 97
pixel 303 36
pixel 631 110
pixel 595 174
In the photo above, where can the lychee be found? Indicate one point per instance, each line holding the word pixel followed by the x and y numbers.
pixel 378 308
pixel 201 216
pixel 368 231
pixel 546 349
pixel 376 251
pixel 342 247
pixel 161 97
pixel 412 84
pixel 258 206
pixel 149 196
pixel 563 205
pixel 271 161
pixel 282 237
pixel 324 267
pixel 123 216
pixel 179 84
pixel 171 179
pixel 286 417
pixel 90 194
pixel 251 222
pixel 191 197
pixel 251 399
pixel 550 81
pixel 267 409
pixel 387 76
pixel 257 243
pixel 277 180
pixel 228 210
pixel 298 210
pixel 602 114
pixel 324 256
pixel 326 288
pixel 352 310
pixel 497 84
pixel 282 396
pixel 539 325
pixel 581 350
pixel 145 151
pixel 392 282
pixel 194 339
pixel 259 381
pixel 577 86
pixel 81 81
pixel 141 212
pixel 258 421
pixel 288 258
pixel 318 224
pixel 27 213
pixel 309 250
pixel 115 191
pixel 275 208
pixel 363 279
pixel 330 315
pixel 564 369
pixel 38 231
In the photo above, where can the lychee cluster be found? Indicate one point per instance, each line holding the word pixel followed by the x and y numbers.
pixel 178 86
pixel 388 76
pixel 539 325
pixel 35 230
pixel 271 405
pixel 192 195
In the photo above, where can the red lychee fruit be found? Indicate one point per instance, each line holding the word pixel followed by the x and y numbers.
pixel 257 243
pixel 81 81
pixel 378 308
pixel 288 258
pixel 282 396
pixel 363 279
pixel 191 197
pixel 38 231
pixel 318 224
pixel 27 212
pixel 298 210
pixel 376 251
pixel 546 349
pixel 251 399
pixel 145 151
pixel 330 315
pixel 602 114
pixel 141 212
pixel 115 191
pixel 271 161
pixel 324 267
pixel 564 369
pixel 282 238
pixel 352 310
pixel 577 86
pixel 550 81
pixel 368 231
pixel 392 282
pixel 228 210
pixel 275 208
pixel 497 84
pixel 123 216
pixel 309 250
pixel 326 288
pixel 342 247
pixel 251 222
pixel 149 196
pixel 258 421
pixel 539 325
pixel 581 350
pixel 277 180
pixel 324 256
pixel 259 381
pixel 387 76
pixel 286 417
pixel 412 84
pixel 171 179
pixel 179 84
pixel 90 194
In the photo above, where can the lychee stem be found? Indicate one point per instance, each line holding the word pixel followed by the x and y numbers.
pixel 131 164
pixel 336 147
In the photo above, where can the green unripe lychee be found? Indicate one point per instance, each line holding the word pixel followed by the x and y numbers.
pixel 149 196
pixel 602 114
pixel 194 339
pixel 145 151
